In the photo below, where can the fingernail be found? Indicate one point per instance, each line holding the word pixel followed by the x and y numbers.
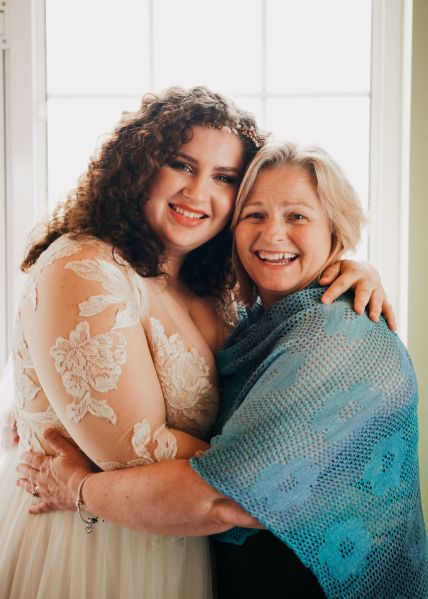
pixel 326 300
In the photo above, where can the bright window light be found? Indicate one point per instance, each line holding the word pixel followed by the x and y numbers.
pixel 306 79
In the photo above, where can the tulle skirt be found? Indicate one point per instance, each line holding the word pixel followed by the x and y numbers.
pixel 51 557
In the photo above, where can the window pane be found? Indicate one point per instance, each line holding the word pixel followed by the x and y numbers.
pixel 253 105
pixel 217 44
pixel 318 46
pixel 75 129
pixel 339 125
pixel 97 46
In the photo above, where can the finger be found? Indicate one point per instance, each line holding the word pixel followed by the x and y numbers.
pixel 25 484
pixel 389 315
pixel 14 438
pixel 28 473
pixel 364 295
pixel 57 442
pixel 330 274
pixel 35 460
pixel 338 288
pixel 40 508
pixel 375 306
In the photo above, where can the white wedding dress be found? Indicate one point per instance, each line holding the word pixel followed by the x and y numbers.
pixel 125 371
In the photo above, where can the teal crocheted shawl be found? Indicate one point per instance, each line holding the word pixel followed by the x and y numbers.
pixel 319 442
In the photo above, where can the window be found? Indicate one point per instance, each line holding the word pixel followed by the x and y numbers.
pixel 333 72
pixel 304 79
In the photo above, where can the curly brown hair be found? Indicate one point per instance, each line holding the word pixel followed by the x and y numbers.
pixel 108 200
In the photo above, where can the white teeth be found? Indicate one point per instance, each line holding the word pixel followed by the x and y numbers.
pixel 186 212
pixel 274 257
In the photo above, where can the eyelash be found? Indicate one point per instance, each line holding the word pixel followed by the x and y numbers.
pixel 182 166
pixel 253 215
pixel 227 179
pixel 257 215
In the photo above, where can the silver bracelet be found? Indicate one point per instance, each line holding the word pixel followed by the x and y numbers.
pixel 90 521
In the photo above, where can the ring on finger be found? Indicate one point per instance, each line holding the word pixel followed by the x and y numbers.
pixel 35 491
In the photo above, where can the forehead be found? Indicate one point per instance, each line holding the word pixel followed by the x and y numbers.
pixel 218 146
pixel 282 183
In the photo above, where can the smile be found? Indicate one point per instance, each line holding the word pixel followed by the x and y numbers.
pixel 188 213
pixel 276 258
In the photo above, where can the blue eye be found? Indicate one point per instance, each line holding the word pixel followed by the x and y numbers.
pixel 180 166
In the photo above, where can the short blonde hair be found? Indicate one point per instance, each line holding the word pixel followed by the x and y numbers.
pixel 338 199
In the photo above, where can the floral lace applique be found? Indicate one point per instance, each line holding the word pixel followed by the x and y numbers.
pixel 118 286
pixel 60 248
pixel 166 442
pixel 140 439
pixel 191 399
pixel 86 362
pixel 25 388
pixel 30 423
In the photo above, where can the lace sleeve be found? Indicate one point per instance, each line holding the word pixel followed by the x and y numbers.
pixel 91 356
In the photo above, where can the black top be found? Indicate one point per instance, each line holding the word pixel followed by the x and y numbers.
pixel 262 568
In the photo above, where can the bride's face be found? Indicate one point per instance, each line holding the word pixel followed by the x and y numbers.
pixel 192 196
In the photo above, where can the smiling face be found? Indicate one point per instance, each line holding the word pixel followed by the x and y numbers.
pixel 283 236
pixel 192 196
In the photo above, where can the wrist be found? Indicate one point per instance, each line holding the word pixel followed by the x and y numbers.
pixel 87 519
pixel 74 484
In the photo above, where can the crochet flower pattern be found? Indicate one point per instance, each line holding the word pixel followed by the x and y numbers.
pixel 285 485
pixel 384 468
pixel 347 410
pixel 346 547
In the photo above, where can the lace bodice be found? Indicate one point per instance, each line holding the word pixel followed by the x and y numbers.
pixel 98 355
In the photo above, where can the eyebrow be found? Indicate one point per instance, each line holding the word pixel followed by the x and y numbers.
pixel 229 169
pixel 290 204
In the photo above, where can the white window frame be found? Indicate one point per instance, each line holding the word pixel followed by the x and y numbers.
pixel 390 149
pixel 3 255
pixel 24 138
pixel 24 199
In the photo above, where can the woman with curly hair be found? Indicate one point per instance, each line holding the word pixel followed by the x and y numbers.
pixel 129 295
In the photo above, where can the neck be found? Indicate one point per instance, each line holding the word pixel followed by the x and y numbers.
pixel 172 267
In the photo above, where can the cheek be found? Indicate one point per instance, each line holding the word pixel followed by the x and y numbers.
pixel 226 205
pixel 242 243
pixel 321 246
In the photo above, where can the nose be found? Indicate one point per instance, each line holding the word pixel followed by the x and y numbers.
pixel 274 230
pixel 196 188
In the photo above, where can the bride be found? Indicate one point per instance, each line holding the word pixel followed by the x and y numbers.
pixel 127 299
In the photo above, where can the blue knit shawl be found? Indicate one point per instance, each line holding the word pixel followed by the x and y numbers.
pixel 319 443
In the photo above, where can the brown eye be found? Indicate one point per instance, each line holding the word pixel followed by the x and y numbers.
pixel 227 179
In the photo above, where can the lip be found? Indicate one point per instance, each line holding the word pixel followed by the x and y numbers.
pixel 189 208
pixel 185 220
pixel 280 264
